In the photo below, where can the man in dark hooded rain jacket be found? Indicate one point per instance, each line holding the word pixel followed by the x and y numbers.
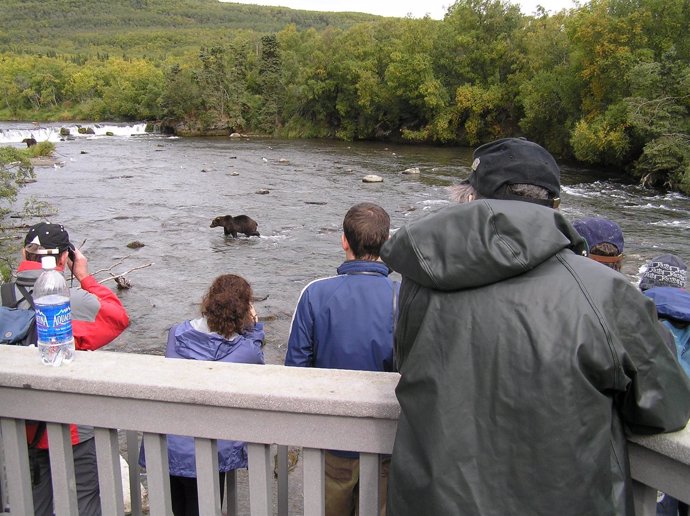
pixel 522 362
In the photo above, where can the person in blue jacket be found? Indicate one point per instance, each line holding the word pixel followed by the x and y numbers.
pixel 347 321
pixel 227 331
pixel 664 281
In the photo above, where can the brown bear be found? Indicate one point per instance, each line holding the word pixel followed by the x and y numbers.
pixel 233 225
pixel 30 142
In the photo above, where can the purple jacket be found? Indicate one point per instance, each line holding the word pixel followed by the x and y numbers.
pixel 193 340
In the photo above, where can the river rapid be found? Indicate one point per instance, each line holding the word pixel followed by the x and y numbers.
pixel 164 191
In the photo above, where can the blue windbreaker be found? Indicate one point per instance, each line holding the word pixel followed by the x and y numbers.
pixel 346 321
pixel 673 307
pixel 193 340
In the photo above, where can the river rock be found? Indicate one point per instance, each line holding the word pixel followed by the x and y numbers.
pixel 410 171
pixel 263 191
pixel 136 244
pixel 372 178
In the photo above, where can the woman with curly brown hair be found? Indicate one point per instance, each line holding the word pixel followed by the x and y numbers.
pixel 227 331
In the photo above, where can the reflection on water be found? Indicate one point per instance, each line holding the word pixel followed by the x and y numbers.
pixel 164 192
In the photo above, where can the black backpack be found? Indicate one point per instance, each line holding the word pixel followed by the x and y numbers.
pixel 17 325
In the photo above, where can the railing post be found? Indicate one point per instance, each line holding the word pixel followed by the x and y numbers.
pixel 17 463
pixel 260 485
pixel 282 460
pixel 368 484
pixel 132 439
pixel 109 472
pixel 314 483
pixel 207 478
pixel 644 499
pixel 157 476
pixel 231 492
pixel 62 469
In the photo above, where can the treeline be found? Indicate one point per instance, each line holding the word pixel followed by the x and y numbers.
pixel 607 84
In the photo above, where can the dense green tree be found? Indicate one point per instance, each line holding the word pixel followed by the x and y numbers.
pixel 181 97
pixel 270 84
pixel 549 86
pixel 411 80
pixel 659 120
pixel 214 83
pixel 475 56
pixel 605 47
pixel 15 169
pixel 311 87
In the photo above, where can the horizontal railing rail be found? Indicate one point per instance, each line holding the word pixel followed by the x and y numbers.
pixel 312 409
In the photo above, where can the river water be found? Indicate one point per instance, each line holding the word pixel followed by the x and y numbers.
pixel 164 191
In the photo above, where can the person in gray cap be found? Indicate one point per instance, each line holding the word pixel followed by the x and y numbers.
pixel 98 318
pixel 520 373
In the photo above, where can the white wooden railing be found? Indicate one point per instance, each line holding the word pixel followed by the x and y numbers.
pixel 312 409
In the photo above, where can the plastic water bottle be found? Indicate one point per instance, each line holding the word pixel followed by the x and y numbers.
pixel 53 315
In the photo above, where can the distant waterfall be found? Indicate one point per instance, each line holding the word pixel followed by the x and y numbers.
pixel 41 133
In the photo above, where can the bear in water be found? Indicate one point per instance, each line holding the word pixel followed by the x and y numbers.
pixel 233 225
pixel 30 142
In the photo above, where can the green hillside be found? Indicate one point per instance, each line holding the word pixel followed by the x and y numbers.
pixel 152 28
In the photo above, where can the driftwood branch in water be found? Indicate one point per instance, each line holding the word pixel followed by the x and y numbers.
pixel 113 265
pixel 119 279
pixel 122 282
pixel 115 277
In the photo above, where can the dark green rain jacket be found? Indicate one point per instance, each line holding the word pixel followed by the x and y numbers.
pixel 523 364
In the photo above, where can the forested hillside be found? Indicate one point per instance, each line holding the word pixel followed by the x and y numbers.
pixel 606 84
pixel 153 28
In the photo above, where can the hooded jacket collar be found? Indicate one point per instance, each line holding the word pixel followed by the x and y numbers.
pixel 363 267
pixel 191 341
pixel 479 243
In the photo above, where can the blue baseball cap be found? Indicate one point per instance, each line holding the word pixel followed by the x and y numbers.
pixel 596 230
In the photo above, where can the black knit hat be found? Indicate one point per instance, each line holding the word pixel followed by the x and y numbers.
pixel 47 238
pixel 512 161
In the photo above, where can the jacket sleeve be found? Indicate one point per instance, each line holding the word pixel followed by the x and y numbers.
pixel 108 322
pixel 257 336
pixel 412 300
pixel 300 350
pixel 657 398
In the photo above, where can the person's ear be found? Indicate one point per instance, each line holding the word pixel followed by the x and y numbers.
pixel 344 242
pixel 62 259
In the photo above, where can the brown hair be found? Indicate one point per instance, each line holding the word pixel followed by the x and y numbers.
pixel 227 305
pixel 366 227
pixel 465 192
pixel 612 258
pixel 34 257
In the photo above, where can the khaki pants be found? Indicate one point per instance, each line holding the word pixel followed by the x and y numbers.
pixel 342 485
